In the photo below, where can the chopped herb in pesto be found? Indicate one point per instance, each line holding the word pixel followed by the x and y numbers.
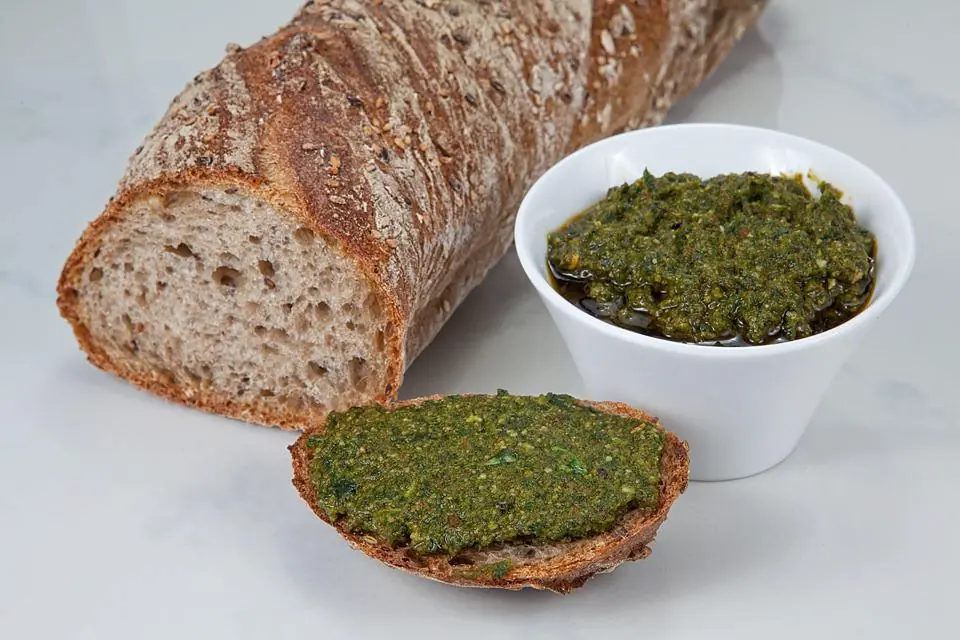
pixel 738 259
pixel 476 471
pixel 497 570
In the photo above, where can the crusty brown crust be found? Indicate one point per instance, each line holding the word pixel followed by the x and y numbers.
pixel 405 134
pixel 562 572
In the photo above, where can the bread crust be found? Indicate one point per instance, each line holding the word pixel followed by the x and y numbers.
pixel 404 134
pixel 568 566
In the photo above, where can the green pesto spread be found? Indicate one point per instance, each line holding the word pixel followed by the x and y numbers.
pixel 476 471
pixel 496 570
pixel 738 259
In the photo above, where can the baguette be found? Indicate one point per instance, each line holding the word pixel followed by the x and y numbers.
pixel 307 214
pixel 558 567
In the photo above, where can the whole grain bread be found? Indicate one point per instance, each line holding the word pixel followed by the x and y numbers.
pixel 307 214
pixel 559 567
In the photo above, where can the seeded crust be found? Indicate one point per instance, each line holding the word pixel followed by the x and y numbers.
pixel 560 567
pixel 402 137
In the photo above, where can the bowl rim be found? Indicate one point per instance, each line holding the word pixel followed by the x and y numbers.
pixel 877 304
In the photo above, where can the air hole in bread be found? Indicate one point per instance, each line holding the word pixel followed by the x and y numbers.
pixel 381 341
pixel 183 250
pixel 96 274
pixel 266 393
pixel 303 235
pixel 252 307
pixel 313 292
pixel 350 325
pixel 161 286
pixel 372 304
pixel 279 335
pixel 254 239
pixel 269 350
pixel 128 267
pixel 228 257
pixel 127 322
pixel 142 298
pixel 260 330
pixel 359 372
pixel 226 277
pixel 323 310
pixel 287 307
pixel 460 561
pixel 295 403
pixel 166 376
pixel 316 370
pixel 266 268
pixel 194 378
pixel 349 308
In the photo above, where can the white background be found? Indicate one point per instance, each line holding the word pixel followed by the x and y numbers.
pixel 124 517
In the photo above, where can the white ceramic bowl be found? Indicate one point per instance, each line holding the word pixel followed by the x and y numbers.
pixel 742 409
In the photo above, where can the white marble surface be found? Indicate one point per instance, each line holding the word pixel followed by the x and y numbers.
pixel 124 517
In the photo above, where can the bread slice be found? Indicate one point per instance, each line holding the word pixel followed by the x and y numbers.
pixel 308 213
pixel 558 567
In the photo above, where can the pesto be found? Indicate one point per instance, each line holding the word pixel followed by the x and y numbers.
pixel 738 259
pixel 476 471
pixel 496 570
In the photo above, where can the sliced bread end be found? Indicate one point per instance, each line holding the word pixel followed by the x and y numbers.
pixel 213 297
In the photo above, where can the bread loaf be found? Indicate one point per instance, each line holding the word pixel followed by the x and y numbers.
pixel 561 566
pixel 308 213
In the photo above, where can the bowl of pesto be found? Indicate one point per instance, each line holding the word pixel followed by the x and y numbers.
pixel 716 275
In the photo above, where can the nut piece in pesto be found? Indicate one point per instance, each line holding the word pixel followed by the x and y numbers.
pixel 733 260
pixel 472 472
